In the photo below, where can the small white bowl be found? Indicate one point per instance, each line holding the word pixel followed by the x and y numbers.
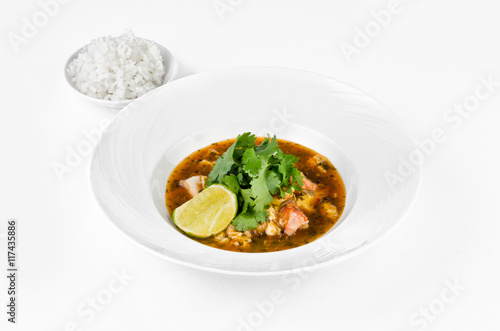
pixel 171 68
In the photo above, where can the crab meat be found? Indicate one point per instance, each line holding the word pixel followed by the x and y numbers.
pixel 307 184
pixel 291 217
pixel 193 184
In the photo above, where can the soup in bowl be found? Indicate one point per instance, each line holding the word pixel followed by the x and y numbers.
pixel 276 194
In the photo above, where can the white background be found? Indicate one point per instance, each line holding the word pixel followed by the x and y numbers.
pixel 429 57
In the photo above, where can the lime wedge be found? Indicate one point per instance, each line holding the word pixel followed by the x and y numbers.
pixel 208 213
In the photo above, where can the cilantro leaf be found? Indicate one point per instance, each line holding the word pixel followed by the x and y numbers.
pixel 246 195
pixel 268 147
pixel 284 168
pixel 231 181
pixel 244 180
pixel 272 181
pixel 243 142
pixel 260 191
pixel 297 181
pixel 251 163
pixel 222 165
pixel 249 220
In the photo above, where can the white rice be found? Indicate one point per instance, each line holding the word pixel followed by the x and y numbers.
pixel 120 68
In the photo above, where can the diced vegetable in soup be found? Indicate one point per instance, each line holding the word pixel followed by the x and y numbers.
pixel 287 194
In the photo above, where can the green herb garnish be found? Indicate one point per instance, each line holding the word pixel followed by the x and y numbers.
pixel 254 174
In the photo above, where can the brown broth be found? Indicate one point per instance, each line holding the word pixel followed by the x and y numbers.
pixel 330 188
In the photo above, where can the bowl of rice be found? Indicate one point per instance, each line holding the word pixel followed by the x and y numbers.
pixel 113 71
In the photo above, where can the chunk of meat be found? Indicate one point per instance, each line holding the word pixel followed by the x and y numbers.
pixel 193 184
pixel 291 217
pixel 213 154
pixel 320 162
pixel 272 214
pixel 307 202
pixel 278 200
pixel 207 163
pixel 260 229
pixel 329 210
pixel 307 184
pixel 236 237
pixel 272 229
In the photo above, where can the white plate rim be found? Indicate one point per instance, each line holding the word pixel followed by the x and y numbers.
pixel 266 274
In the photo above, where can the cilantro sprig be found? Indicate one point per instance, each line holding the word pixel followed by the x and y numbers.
pixel 255 173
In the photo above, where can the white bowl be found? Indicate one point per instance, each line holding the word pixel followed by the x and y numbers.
pixel 171 68
pixel 136 154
